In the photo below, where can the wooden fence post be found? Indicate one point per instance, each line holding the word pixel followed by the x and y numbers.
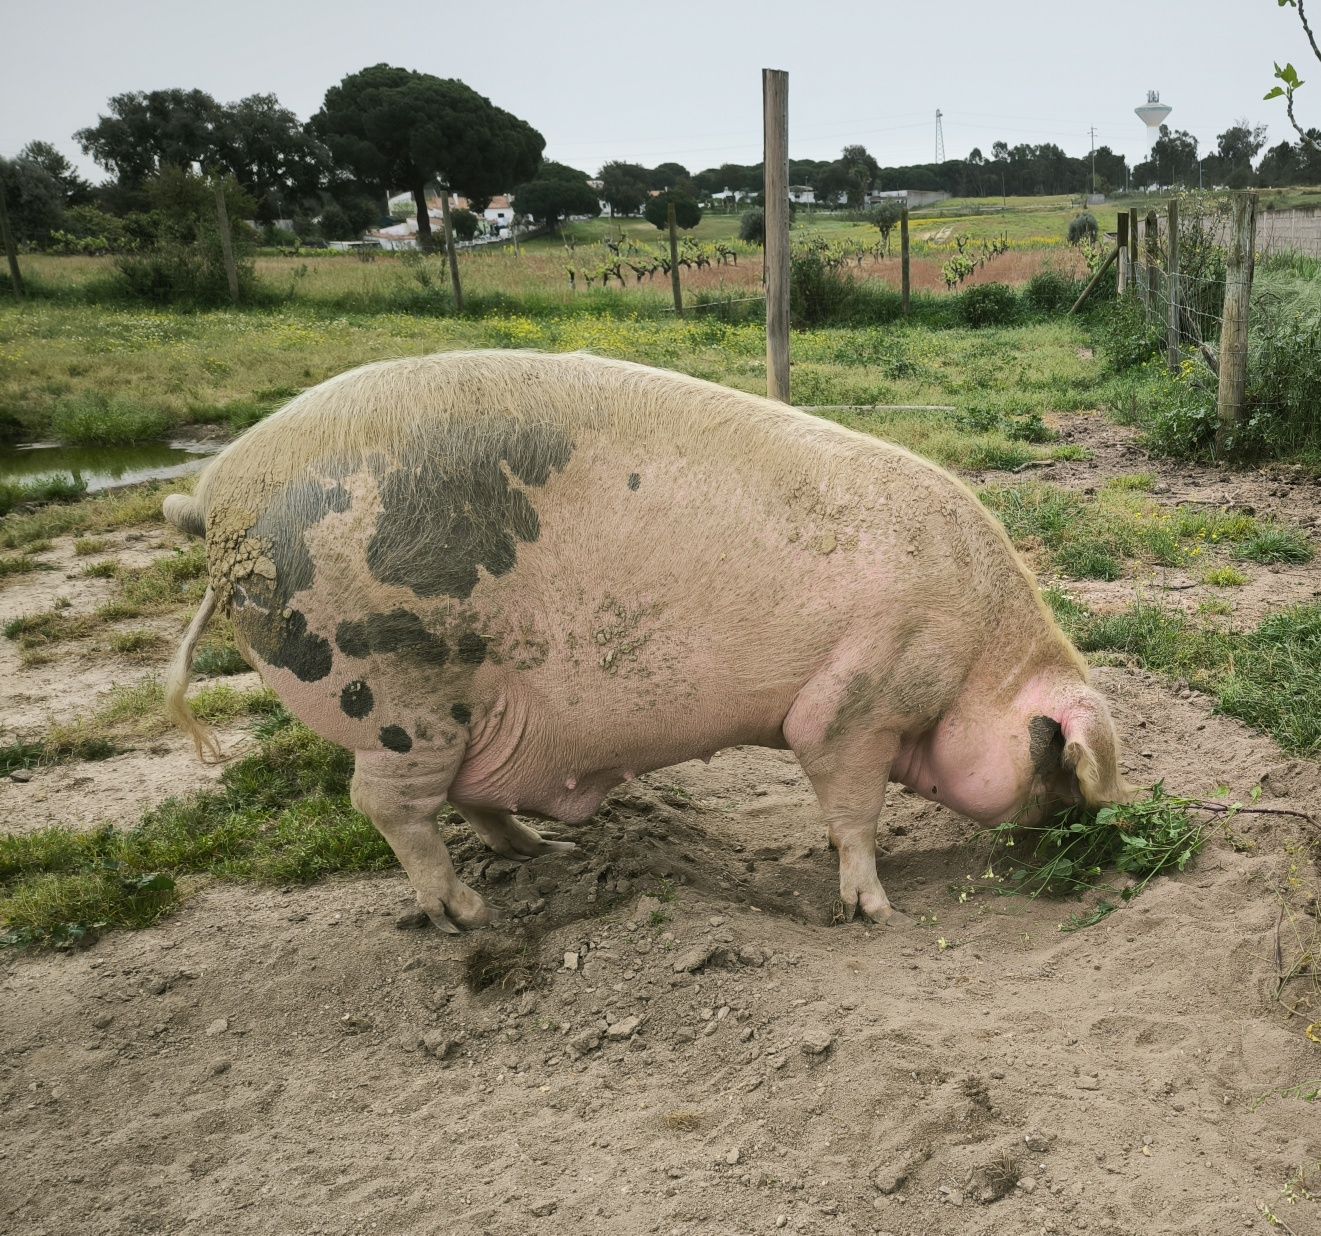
pixel 1234 323
pixel 1153 262
pixel 905 258
pixel 775 119
pixel 11 249
pixel 226 240
pixel 449 247
pixel 1173 335
pixel 1133 248
pixel 1121 241
pixel 674 258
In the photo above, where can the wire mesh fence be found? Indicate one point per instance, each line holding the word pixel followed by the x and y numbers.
pixel 1232 299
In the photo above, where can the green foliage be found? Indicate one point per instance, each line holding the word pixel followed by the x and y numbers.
pixel 1276 544
pixel 819 290
pixel 93 419
pixel 556 192
pixel 624 186
pixel 34 199
pixel 40 491
pixel 989 304
pixel 1068 856
pixel 392 126
pixel 1269 677
pixel 1050 293
pixel 281 815
pixel 687 213
pixel 464 223
pixel 752 226
pixel 1083 227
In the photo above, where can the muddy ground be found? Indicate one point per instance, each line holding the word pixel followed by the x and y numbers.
pixel 675 1038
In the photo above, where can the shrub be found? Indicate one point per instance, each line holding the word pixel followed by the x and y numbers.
pixel 1083 227
pixel 818 291
pixel 752 226
pixel 99 420
pixel 687 213
pixel 464 224
pixel 1050 293
pixel 989 304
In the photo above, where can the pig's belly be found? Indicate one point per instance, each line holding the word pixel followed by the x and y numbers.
pixel 561 764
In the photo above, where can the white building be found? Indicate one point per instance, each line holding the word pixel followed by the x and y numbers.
pixel 802 195
pixel 499 213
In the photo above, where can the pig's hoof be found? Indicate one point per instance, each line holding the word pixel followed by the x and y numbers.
pixel 462 909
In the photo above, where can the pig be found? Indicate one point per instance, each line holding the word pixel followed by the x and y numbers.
pixel 510 581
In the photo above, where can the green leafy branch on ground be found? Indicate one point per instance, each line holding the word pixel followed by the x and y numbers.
pixel 1069 855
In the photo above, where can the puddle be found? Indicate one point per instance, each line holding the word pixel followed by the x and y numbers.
pixel 104 467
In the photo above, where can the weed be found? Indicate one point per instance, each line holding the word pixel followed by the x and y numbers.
pixel 101 570
pixel 21 564
pixel 214 660
pixel 40 491
pixel 127 643
pixel 1068 856
pixel 1224 577
pixel 85 545
pixel 1276 544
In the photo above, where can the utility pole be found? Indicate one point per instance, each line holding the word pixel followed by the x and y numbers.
pixel 1092 131
pixel 940 137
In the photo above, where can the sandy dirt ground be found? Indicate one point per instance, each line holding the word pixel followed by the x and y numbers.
pixel 678 1040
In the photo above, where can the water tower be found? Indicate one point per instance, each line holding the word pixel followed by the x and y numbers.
pixel 1152 114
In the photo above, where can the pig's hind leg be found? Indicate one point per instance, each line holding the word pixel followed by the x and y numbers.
pixel 510 837
pixel 849 771
pixel 402 797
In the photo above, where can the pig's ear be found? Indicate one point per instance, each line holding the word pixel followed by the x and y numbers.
pixel 1091 752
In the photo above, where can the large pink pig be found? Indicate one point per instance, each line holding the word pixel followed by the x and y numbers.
pixel 511 581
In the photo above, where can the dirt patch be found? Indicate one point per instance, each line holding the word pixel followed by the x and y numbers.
pixel 686 1045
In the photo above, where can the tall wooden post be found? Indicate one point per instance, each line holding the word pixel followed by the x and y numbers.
pixel 1234 324
pixel 905 259
pixel 11 249
pixel 674 258
pixel 1153 263
pixel 1133 246
pixel 226 240
pixel 1121 240
pixel 449 248
pixel 775 120
pixel 1173 335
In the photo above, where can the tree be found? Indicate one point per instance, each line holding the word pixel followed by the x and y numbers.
pixel 884 218
pixel 556 192
pixel 465 224
pixel 623 186
pixel 687 213
pixel 35 200
pixel 861 171
pixel 752 227
pixel 149 130
pixel 668 176
pixel 76 190
pixel 395 127
pixel 833 183
pixel 268 150
pixel 1236 148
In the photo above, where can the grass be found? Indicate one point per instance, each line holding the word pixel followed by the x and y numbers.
pixel 1224 577
pixel 1069 855
pixel 38 492
pixel 103 513
pixel 126 715
pixel 1268 677
pixel 281 815
pixel 1097 537
pixel 155 589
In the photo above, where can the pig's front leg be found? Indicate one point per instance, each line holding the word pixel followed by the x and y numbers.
pixel 849 772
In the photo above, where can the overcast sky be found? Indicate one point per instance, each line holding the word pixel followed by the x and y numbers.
pixel 681 80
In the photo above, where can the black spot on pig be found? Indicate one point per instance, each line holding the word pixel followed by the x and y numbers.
pixel 356 699
pixel 634 480
pixel 452 509
pixel 472 648
pixel 395 738
pixel 399 631
pixel 285 642
pixel 461 713
pixel 289 514
pixel 1045 744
